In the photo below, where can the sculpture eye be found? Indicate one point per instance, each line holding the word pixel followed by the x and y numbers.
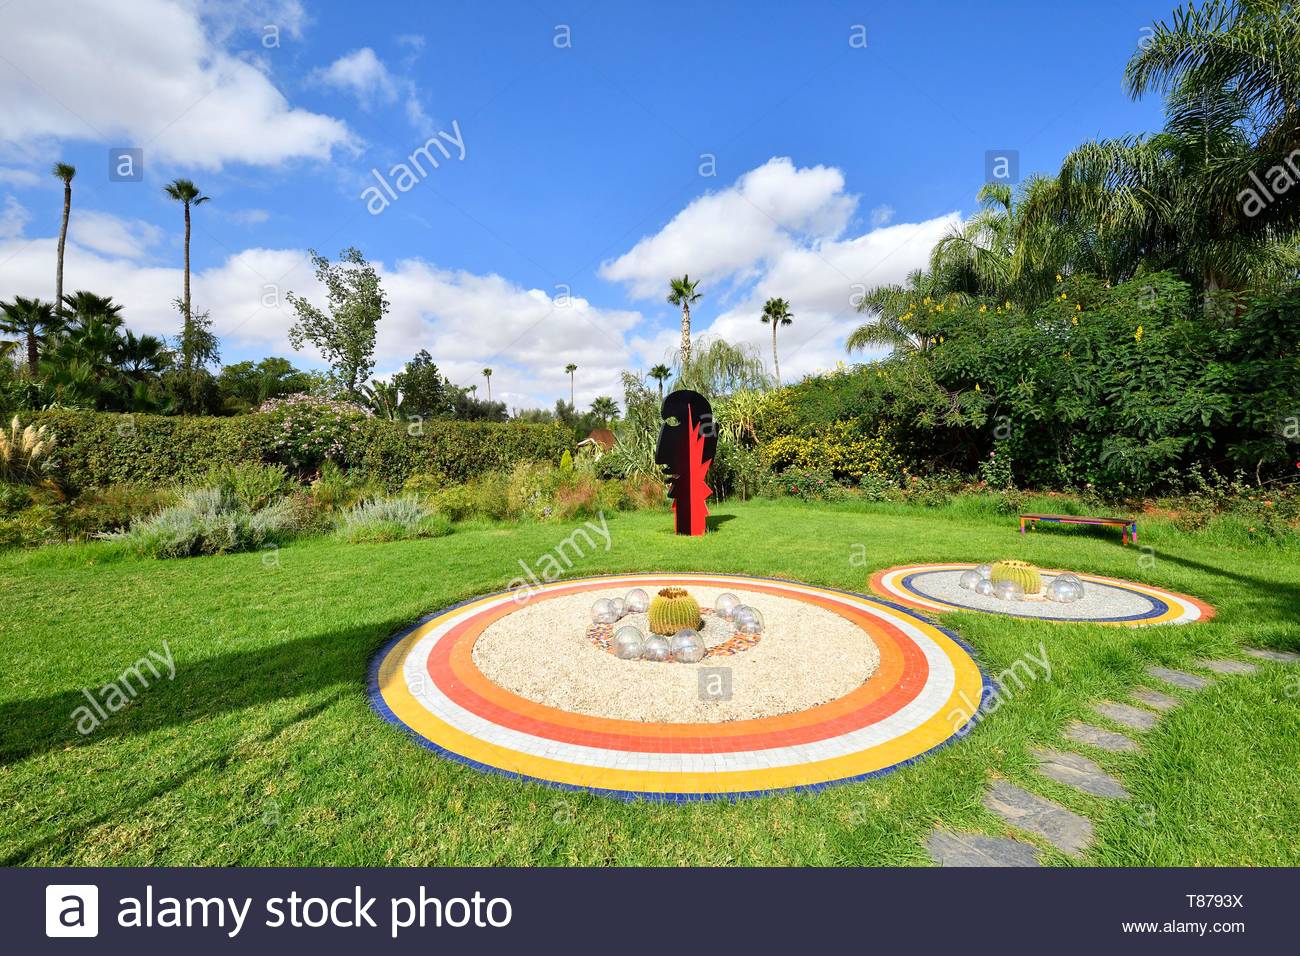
pixel 673 420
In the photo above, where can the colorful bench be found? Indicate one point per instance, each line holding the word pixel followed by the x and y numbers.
pixel 1129 525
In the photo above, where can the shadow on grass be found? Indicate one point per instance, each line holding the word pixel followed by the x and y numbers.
pixel 1279 598
pixel 714 522
pixel 202 688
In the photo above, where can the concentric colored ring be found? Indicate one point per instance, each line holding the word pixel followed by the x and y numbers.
pixel 1163 607
pixel 926 691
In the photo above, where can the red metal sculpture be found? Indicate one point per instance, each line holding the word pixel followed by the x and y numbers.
pixel 687 443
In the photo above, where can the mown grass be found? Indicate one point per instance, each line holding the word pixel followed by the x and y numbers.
pixel 263 749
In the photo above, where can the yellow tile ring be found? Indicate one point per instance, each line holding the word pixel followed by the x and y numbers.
pixel 923 689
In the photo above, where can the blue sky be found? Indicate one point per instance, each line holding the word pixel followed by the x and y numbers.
pixel 585 129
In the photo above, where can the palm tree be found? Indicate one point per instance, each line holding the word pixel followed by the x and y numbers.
pixel 682 292
pixel 570 368
pixel 64 172
pixel 898 321
pixel 604 408
pixel 661 373
pixel 141 357
pixel 487 374
pixel 184 191
pixel 83 306
pixel 776 311
pixel 34 321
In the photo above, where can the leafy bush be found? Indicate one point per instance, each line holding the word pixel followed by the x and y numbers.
pixel 99 449
pixel 810 484
pixel 840 447
pixel 306 430
pixel 392 519
pixel 206 521
pixel 254 484
pixel 877 487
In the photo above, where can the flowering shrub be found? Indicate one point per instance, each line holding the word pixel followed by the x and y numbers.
pixel 810 484
pixel 838 446
pixel 309 429
pixel 996 469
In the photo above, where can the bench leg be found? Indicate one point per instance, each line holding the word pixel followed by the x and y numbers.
pixel 1022 525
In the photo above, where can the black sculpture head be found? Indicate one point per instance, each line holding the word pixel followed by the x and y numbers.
pixel 688 441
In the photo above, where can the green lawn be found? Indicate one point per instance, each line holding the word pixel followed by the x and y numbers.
pixel 263 749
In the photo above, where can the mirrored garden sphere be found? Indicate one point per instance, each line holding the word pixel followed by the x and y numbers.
pixel 656 648
pixel 748 620
pixel 969 579
pixel 1072 579
pixel 629 642
pixel 602 612
pixel 620 606
pixel 984 570
pixel 1008 591
pixel 984 587
pixel 740 613
pixel 726 605
pixel 1063 591
pixel 636 602
pixel 687 646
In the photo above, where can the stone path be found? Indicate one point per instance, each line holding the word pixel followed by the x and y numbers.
pixel 1082 733
pixel 1053 823
pixel 1127 714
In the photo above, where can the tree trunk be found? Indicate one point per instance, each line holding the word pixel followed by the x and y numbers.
pixel 489 381
pixel 776 366
pixel 188 358
pixel 63 239
pixel 686 334
pixel 661 391
pixel 570 389
pixel 33 356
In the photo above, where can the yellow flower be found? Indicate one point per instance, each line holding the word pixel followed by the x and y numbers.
pixel 977 386
pixel 1061 297
pixel 1137 336
pixel 1074 320
pixel 926 300
pixel 984 308
pixel 1078 307
pixel 1007 305
pixel 1058 278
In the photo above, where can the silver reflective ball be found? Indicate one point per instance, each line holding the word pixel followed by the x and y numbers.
pixel 984 587
pixel 969 579
pixel 629 642
pixel 620 607
pixel 1064 591
pixel 1008 591
pixel 726 604
pixel 984 570
pixel 687 646
pixel 656 649
pixel 636 601
pixel 602 612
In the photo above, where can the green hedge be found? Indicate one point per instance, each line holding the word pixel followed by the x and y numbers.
pixel 97 449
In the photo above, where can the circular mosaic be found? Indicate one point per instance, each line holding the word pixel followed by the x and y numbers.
pixel 936 589
pixel 841 687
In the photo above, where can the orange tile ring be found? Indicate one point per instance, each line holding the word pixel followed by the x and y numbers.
pixel 925 692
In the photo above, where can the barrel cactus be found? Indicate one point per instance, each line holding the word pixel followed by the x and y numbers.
pixel 1022 572
pixel 673 609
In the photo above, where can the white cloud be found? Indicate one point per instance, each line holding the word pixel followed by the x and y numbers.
pixel 248 217
pixel 727 233
pixel 107 234
pixel 466 321
pixel 149 74
pixel 18 177
pixel 13 219
pixel 362 74
pixel 882 216
pixel 365 77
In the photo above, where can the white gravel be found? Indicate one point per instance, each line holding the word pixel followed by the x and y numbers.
pixel 1099 600
pixel 808 656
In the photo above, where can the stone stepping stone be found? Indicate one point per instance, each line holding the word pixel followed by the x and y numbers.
pixel 1078 772
pixel 1082 733
pixel 1029 812
pixel 1229 667
pixel 976 849
pixel 1153 698
pixel 1179 678
pixel 1127 714
pixel 1282 657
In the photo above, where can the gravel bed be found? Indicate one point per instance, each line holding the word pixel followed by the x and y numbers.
pixel 808 656
pixel 1099 600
